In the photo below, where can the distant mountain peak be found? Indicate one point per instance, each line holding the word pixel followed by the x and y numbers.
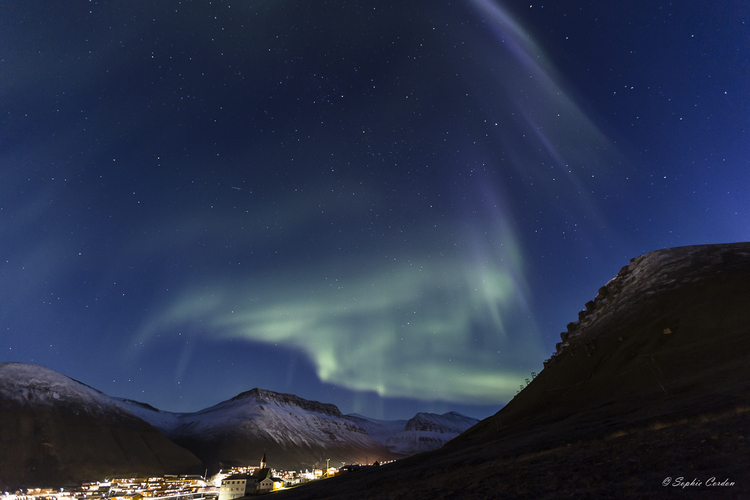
pixel 447 423
pixel 267 397
pixel 423 432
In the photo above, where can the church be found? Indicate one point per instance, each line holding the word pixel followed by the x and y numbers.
pixel 240 485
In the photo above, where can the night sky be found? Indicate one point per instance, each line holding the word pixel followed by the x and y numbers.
pixel 392 206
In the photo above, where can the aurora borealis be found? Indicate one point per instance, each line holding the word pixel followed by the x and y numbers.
pixel 389 206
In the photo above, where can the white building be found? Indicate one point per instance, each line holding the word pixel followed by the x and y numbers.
pixel 240 485
pixel 235 486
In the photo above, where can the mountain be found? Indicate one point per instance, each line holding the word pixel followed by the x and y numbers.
pixel 668 334
pixel 646 396
pixel 424 432
pixel 260 420
pixel 379 430
pixel 294 433
pixel 429 431
pixel 55 430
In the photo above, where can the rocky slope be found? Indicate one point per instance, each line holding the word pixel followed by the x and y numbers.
pixel 56 431
pixel 648 390
pixel 669 330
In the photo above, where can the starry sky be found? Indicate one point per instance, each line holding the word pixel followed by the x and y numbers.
pixel 392 206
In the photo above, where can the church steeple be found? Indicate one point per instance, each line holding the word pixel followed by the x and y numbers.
pixel 263 461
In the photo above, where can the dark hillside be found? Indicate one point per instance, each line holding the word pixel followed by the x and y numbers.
pixel 55 431
pixel 650 385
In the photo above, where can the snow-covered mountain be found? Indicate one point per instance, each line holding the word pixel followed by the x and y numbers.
pixel 291 422
pixel 424 432
pixel 55 430
pixel 86 433
pixel 379 430
pixel 34 385
pixel 294 433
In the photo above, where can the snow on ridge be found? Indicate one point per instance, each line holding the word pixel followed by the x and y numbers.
pixel 31 384
pixel 282 399
pixel 284 418
pixel 255 399
pixel 165 421
pixel 379 430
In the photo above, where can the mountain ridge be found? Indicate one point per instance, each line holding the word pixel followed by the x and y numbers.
pixel 265 395
pixel 296 432
pixel 55 430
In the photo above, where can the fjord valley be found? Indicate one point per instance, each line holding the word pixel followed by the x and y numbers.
pixel 647 392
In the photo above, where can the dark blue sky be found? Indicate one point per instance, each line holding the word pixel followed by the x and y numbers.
pixel 390 206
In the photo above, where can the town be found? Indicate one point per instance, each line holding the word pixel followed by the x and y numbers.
pixel 233 483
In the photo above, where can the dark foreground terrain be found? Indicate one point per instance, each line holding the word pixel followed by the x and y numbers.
pixel 634 463
pixel 648 396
